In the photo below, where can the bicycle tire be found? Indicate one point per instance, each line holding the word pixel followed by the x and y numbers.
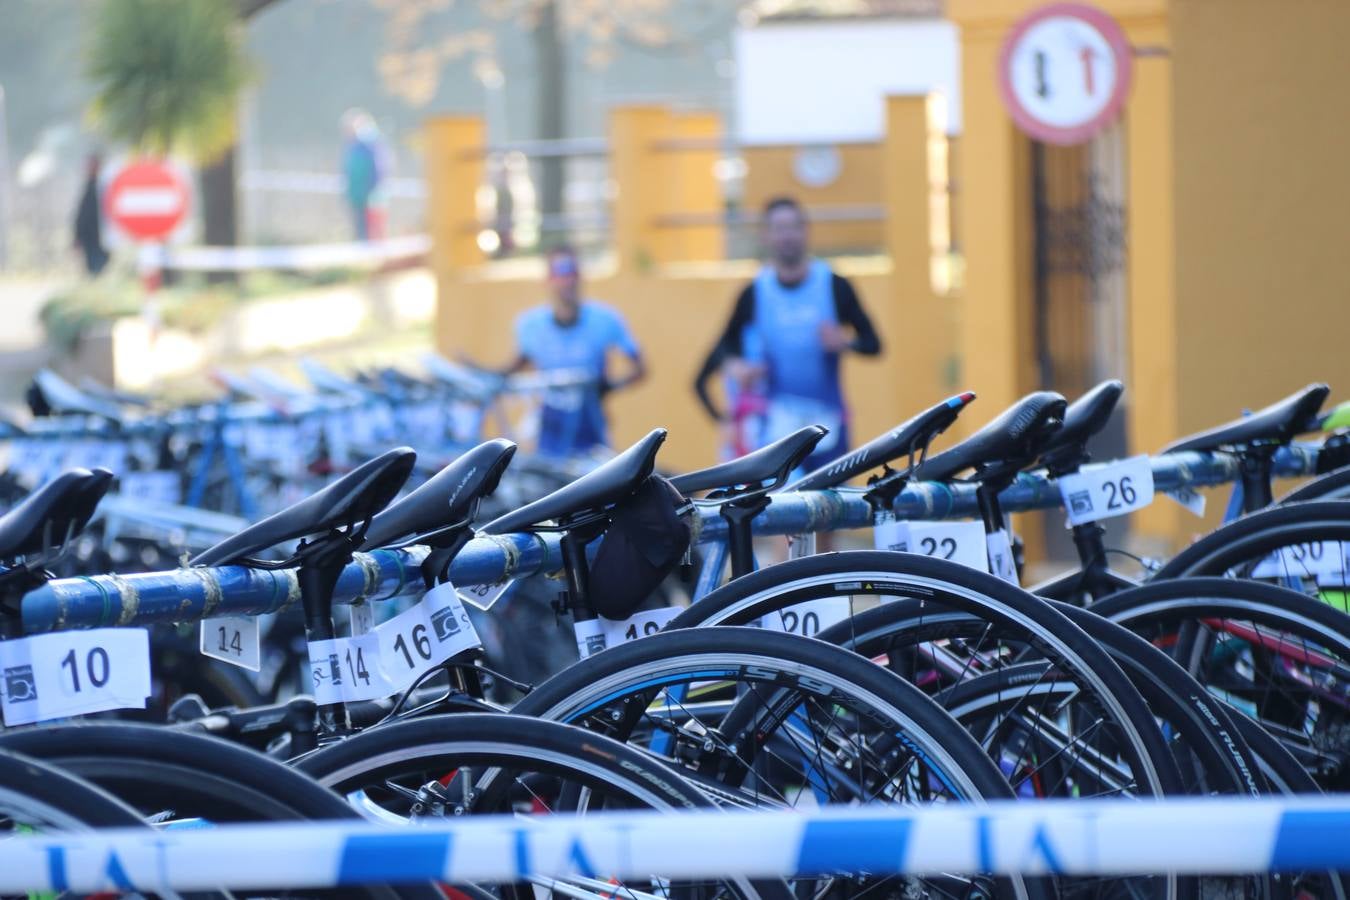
pixel 1334 485
pixel 57 798
pixel 791 667
pixel 951 586
pixel 1256 535
pixel 504 741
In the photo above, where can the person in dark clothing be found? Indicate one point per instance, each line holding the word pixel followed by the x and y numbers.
pixel 787 333
pixel 89 223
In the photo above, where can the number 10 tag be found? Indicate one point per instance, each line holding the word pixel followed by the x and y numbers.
pixel 232 639
pixel 52 676
pixel 1103 492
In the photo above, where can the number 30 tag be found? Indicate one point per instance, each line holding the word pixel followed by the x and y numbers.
pixel 1103 492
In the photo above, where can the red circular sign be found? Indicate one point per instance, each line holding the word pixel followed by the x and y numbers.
pixel 147 200
pixel 1064 72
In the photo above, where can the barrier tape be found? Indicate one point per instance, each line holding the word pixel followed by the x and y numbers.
pixel 1071 837
pixel 181 596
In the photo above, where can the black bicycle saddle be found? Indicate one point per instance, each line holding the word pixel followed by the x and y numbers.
pixel 352 499
pixel 764 468
pixel 908 437
pixel 601 487
pixel 1007 444
pixel 449 498
pixel 1082 420
pixel 53 513
pixel 1278 423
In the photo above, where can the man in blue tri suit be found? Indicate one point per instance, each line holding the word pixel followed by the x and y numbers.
pixel 790 327
pixel 571 334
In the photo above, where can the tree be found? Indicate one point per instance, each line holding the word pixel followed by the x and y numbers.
pixel 168 76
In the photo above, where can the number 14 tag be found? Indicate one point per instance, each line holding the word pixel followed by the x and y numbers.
pixel 232 639
pixel 1103 492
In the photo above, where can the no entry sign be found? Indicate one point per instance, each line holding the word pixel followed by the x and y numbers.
pixel 1064 72
pixel 147 200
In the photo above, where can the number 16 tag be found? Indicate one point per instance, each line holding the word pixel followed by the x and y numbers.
pixel 1103 492
pixel 232 639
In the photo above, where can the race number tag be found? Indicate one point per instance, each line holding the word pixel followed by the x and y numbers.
pixel 52 676
pixel 636 626
pixel 1320 559
pixel 484 595
pixel 961 542
pixel 1107 491
pixel 590 637
pixel 421 638
pixel 1192 500
pixel 344 669
pixel 808 618
pixel 1001 562
pixel 361 616
pixel 232 639
pixel 153 487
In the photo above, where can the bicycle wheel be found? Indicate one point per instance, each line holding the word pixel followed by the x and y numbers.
pixel 1334 485
pixel 1017 623
pixel 36 795
pixel 162 772
pixel 760 718
pixel 474 763
pixel 1280 657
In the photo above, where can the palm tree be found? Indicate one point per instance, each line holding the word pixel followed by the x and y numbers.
pixel 167 76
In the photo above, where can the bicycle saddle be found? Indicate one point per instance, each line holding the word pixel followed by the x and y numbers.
pixel 1276 424
pixel 54 513
pixel 1005 445
pixel 352 499
pixel 1082 420
pixel 448 499
pixel 63 397
pixel 762 470
pixel 601 487
pixel 907 437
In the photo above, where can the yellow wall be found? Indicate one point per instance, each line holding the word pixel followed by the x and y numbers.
pixel 769 174
pixel 676 308
pixel 1262 186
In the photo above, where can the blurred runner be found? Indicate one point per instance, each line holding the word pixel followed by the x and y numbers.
pixel 89 221
pixel 570 334
pixel 364 165
pixel 789 329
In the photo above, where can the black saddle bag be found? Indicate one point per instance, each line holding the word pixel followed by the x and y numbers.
pixel 646 540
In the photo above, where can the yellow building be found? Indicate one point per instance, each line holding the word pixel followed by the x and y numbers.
pixel 1193 249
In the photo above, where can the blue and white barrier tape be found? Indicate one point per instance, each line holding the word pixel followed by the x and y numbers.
pixel 1202 836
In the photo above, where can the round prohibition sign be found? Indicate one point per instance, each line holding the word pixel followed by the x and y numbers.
pixel 1064 72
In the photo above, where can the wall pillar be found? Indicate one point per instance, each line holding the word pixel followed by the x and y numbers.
pixel 634 167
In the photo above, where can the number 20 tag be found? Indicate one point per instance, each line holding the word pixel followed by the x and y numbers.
pixel 1103 492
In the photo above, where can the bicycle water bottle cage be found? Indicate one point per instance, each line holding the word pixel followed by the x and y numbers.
pixel 755 474
pixel 908 440
pixel 36 532
pixel 1264 430
pixel 588 499
pixel 333 521
pixel 999 450
pixel 439 512
pixel 1084 418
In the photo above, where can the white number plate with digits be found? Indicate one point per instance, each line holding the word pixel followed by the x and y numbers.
pixel 960 542
pixel 155 487
pixel 638 625
pixel 484 595
pixel 1001 562
pixel 1191 499
pixel 345 669
pixel 1318 558
pixel 808 618
pixel 232 639
pixel 425 636
pixel 590 636
pixel 52 676
pixel 1107 491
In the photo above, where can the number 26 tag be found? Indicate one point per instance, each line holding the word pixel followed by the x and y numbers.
pixel 1102 492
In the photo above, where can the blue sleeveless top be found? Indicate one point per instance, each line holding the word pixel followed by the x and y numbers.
pixel 786 332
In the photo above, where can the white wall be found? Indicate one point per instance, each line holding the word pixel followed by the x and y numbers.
pixel 825 81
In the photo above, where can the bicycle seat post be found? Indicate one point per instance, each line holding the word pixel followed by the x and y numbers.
pixel 318 576
pixel 740 536
pixel 1256 468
